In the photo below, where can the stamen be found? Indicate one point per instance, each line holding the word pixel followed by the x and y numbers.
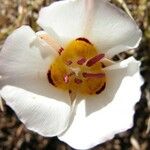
pixel 78 81
pixel 66 78
pixel 52 42
pixel 107 62
pixel 81 61
pixel 71 69
pixel 93 75
pixel 94 60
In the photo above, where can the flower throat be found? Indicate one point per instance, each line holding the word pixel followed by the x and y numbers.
pixel 78 68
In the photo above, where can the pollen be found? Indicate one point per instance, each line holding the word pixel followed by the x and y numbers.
pixel 78 68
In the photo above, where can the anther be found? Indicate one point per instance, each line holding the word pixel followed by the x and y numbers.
pixel 78 81
pixel 93 75
pixel 66 78
pixel 94 59
pixel 81 61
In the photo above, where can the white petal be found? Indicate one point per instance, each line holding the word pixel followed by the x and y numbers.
pixel 45 116
pixel 64 17
pixel 50 45
pixel 109 28
pixel 17 55
pixel 100 117
pixel 113 31
pixel 21 65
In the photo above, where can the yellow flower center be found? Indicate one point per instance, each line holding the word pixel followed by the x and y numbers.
pixel 78 68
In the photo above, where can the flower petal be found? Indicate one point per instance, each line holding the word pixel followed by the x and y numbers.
pixel 17 56
pixel 99 118
pixel 108 27
pixel 22 65
pixel 45 116
pixel 113 31
pixel 48 44
pixel 64 18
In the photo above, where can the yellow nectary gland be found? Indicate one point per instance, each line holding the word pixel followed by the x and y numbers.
pixel 78 68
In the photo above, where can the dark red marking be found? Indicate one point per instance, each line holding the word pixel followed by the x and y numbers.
pixel 70 91
pixel 50 78
pixel 69 62
pixel 94 60
pixel 93 75
pixel 81 61
pixel 78 81
pixel 60 50
pixel 66 78
pixel 101 89
pixel 84 39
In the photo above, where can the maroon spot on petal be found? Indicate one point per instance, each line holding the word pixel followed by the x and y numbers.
pixel 60 50
pixel 101 89
pixel 70 91
pixel 94 60
pixel 50 78
pixel 84 39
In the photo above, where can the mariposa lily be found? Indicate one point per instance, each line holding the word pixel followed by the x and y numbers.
pixel 62 81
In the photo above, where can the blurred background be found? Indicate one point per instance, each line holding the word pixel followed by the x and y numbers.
pixel 13 134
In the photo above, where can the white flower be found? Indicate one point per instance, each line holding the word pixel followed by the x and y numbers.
pixel 35 79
